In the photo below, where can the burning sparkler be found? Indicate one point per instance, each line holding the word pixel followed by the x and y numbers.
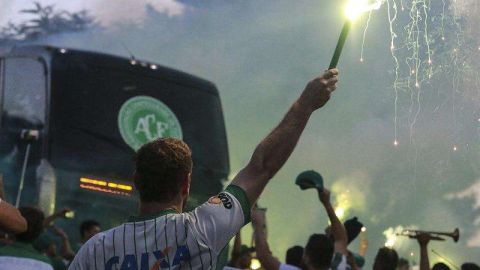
pixel 353 10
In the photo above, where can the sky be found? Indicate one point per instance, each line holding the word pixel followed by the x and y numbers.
pixel 260 54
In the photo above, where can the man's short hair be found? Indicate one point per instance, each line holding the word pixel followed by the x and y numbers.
pixel 440 266
pixel 294 256
pixel 34 218
pixel 319 250
pixel 159 164
pixel 88 225
pixel 386 259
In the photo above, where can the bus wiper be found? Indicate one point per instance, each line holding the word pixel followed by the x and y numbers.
pixel 30 136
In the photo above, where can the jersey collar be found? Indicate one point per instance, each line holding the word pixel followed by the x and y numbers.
pixel 152 216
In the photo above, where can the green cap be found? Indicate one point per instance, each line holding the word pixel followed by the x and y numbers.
pixel 310 179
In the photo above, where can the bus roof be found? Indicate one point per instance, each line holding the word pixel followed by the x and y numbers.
pixel 132 65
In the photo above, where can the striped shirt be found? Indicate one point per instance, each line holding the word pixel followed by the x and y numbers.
pixel 191 240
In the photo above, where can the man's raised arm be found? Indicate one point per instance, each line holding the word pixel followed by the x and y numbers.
pixel 275 149
pixel 11 219
pixel 423 240
pixel 338 230
pixel 268 261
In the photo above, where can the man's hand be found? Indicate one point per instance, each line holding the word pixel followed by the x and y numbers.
pixel 324 196
pixel 318 91
pixel 423 239
pixel 62 213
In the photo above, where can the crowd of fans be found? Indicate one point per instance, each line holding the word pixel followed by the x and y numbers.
pixel 195 239
pixel 27 237
pixel 321 248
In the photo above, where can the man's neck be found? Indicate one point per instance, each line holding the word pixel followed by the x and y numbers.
pixel 150 208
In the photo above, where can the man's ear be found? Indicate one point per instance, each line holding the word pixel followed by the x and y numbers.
pixel 185 180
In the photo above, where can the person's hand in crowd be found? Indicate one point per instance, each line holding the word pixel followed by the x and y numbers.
pixel 318 91
pixel 63 212
pixel 59 214
pixel 423 239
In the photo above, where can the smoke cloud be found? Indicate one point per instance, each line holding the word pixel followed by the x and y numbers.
pixel 471 193
pixel 260 54
pixel 103 10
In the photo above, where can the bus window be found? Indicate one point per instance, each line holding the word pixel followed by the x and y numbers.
pixel 22 107
pixel 24 90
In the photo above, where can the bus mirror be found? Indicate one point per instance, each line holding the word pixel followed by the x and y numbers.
pixel 30 135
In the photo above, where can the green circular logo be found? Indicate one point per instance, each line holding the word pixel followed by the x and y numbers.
pixel 143 119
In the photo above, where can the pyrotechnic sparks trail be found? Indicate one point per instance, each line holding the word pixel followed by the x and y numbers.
pixel 365 34
pixel 391 20
pixel 427 42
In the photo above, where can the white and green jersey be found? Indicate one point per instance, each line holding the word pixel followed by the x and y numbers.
pixel 190 241
pixel 21 255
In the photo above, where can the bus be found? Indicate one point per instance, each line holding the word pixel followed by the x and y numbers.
pixel 72 120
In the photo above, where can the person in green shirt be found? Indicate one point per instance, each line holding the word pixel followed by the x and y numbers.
pixel 21 254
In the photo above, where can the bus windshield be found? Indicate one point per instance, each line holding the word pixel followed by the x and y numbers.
pixel 23 108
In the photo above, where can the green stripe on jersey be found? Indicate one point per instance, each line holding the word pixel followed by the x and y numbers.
pixel 241 196
pixel 24 250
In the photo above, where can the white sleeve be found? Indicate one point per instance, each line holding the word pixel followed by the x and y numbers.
pixel 284 266
pixel 219 219
pixel 80 260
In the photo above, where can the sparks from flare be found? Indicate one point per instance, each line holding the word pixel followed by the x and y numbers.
pixel 422 50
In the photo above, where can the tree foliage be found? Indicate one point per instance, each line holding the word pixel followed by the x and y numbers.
pixel 46 21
